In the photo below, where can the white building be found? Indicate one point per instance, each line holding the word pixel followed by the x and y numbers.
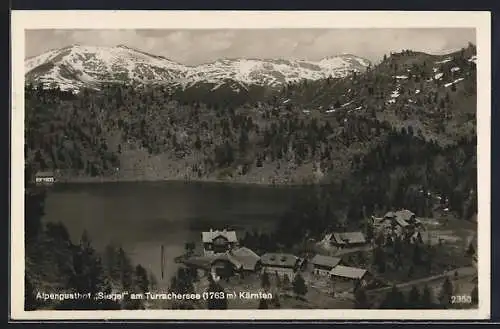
pixel 218 242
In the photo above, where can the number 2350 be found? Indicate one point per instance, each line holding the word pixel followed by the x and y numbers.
pixel 461 299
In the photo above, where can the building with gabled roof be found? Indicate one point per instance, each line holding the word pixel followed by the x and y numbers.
pixel 347 239
pixel 347 272
pixel 213 234
pixel 218 242
pixel 248 259
pixel 401 217
pixel 322 265
pixel 403 223
pixel 281 264
pixel 236 260
pixel 279 260
pixel 358 276
pixel 406 215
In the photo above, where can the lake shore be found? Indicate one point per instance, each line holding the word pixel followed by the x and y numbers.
pixel 140 216
pixel 232 181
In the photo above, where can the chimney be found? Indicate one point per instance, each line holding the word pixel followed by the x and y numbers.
pixel 211 230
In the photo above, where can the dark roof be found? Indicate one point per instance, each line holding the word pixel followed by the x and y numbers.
pixel 404 214
pixel 348 272
pixel 401 222
pixel 211 235
pixel 200 261
pixel 348 238
pixel 325 261
pixel 246 257
pixel 402 217
pixel 206 262
pixel 390 214
pixel 279 259
pixel 230 258
pixel 241 258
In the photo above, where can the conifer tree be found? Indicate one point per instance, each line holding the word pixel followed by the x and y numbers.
pixel 361 299
pixel 299 285
pixel 474 295
pixel 446 292
pixel 216 303
pixel 414 298
pixel 265 282
pixel 263 304
pixel 427 300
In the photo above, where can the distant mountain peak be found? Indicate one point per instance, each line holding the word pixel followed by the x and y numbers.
pixel 78 66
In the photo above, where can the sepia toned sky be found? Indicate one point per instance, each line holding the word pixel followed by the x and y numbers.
pixel 194 47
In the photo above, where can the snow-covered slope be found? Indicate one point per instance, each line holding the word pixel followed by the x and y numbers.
pixel 74 67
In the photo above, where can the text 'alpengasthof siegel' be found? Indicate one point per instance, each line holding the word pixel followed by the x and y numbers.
pixel 153 296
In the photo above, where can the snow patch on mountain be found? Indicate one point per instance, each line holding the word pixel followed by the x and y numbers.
pixel 454 82
pixel 348 103
pixel 78 66
pixel 446 60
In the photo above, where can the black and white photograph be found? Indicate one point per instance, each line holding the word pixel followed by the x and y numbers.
pixel 226 167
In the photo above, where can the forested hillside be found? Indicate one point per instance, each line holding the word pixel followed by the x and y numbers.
pixel 404 171
pixel 129 133
pixel 384 138
pixel 425 158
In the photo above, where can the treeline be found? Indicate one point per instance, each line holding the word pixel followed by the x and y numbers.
pixel 409 172
pixel 215 96
pixel 55 264
pixel 87 134
pixel 260 242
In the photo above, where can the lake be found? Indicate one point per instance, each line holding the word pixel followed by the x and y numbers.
pixel 143 216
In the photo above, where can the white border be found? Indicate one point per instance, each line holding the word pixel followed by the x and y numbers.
pixel 22 20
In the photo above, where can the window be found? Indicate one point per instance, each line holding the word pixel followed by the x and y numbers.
pixel 220 241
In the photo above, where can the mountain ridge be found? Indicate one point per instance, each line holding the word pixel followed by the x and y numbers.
pixel 75 67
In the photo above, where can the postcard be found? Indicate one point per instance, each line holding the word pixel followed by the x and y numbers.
pixel 225 165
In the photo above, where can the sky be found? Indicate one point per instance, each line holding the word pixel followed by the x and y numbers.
pixel 193 47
